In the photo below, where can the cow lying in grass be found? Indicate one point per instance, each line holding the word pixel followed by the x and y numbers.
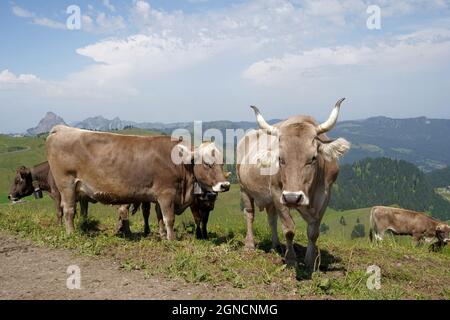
pixel 406 222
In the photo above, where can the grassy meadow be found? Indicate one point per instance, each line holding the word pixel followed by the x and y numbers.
pixel 407 272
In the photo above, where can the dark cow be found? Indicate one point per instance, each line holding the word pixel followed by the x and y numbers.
pixel 121 169
pixel 407 222
pixel 28 181
pixel 39 178
pixel 292 164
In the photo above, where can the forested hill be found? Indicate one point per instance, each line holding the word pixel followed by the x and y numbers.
pixel 384 181
pixel 439 178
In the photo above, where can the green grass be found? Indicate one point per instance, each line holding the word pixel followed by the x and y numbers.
pixel 222 261
pixel 407 271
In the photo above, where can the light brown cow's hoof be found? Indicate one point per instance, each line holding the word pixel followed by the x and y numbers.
pixel 250 244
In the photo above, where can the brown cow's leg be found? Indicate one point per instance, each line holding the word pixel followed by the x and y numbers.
pixel 289 232
pixel 312 259
pixel 205 218
pixel 249 210
pixel 84 204
pixel 272 218
pixel 162 227
pixel 146 215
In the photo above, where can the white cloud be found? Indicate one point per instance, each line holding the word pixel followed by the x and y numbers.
pixel 108 5
pixel 41 21
pixel 407 52
pixel 11 80
pixel 21 12
pixel 46 22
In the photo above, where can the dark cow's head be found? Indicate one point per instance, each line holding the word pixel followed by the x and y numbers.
pixel 207 166
pixel 301 149
pixel 22 185
pixel 443 232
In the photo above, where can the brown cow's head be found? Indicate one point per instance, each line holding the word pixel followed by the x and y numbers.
pixel 208 166
pixel 302 149
pixel 443 232
pixel 22 185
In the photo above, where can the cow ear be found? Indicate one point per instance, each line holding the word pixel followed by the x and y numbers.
pixel 23 171
pixel 333 149
pixel 181 154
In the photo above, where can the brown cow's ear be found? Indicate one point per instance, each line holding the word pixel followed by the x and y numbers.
pixel 23 171
pixel 333 149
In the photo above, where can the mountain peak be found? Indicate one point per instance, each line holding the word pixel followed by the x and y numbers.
pixel 46 124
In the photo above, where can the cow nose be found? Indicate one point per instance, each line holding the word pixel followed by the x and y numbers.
pixel 9 197
pixel 225 186
pixel 292 197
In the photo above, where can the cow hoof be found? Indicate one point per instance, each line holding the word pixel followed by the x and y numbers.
pixel 250 245
pixel 123 228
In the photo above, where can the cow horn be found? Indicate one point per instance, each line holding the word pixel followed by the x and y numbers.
pixel 331 122
pixel 262 123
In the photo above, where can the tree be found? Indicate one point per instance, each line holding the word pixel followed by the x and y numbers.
pixel 324 228
pixel 359 231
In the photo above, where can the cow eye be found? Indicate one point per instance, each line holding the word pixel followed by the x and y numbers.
pixel 282 161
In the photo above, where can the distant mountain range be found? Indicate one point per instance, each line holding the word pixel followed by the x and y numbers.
pixel 422 141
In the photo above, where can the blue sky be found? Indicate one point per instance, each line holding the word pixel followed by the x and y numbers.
pixel 185 60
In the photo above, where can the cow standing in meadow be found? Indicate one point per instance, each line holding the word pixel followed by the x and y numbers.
pixel 39 177
pixel 121 169
pixel 291 165
pixel 407 222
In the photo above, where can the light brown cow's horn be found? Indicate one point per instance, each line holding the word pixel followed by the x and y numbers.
pixel 263 123
pixel 331 122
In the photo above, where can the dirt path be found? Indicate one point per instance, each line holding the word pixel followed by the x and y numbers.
pixel 31 272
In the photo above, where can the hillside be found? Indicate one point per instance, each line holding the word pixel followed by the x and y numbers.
pixel 439 178
pixel 383 181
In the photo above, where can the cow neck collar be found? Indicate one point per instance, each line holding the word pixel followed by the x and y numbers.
pixel 35 179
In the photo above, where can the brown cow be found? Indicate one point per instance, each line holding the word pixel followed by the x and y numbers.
pixel 292 164
pixel 406 222
pixel 121 169
pixel 39 178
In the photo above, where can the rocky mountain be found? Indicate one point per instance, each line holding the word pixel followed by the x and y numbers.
pixel 100 123
pixel 46 124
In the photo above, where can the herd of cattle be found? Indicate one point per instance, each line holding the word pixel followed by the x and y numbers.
pixel 135 171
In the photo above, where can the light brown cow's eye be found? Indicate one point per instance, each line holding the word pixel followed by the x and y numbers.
pixel 282 161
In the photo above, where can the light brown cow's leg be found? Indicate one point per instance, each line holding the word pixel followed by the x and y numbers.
pixel 162 227
pixel 272 218
pixel 312 259
pixel 167 209
pixel 123 225
pixel 249 210
pixel 59 210
pixel 68 204
pixel 288 226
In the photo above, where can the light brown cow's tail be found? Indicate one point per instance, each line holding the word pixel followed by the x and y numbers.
pixel 372 224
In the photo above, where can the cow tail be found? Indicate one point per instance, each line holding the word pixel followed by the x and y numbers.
pixel 372 226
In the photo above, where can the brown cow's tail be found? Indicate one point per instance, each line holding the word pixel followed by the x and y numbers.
pixel 372 225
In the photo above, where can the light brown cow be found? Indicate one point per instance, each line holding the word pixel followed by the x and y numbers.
pixel 407 222
pixel 292 164
pixel 121 169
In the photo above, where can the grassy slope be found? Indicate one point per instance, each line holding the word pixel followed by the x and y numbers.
pixel 407 272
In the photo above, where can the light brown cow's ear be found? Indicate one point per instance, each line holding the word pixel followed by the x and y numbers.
pixel 227 174
pixel 23 171
pixel 332 150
